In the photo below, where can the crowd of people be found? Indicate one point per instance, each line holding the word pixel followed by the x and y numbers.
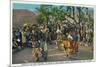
pixel 38 37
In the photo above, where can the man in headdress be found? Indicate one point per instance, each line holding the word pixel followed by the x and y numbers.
pixel 44 44
pixel 23 37
pixel 59 37
pixel 75 44
pixel 35 50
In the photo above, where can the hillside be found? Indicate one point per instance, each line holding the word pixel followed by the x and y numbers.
pixel 21 16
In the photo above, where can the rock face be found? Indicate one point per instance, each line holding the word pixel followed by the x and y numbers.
pixel 21 16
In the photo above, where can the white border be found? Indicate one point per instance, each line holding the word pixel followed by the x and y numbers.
pixel 90 2
pixel 11 16
pixel 51 3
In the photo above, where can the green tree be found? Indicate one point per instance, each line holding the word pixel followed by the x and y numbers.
pixel 43 13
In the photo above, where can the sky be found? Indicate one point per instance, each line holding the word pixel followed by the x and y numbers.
pixel 31 7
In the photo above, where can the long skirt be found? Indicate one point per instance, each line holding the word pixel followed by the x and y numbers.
pixel 44 50
pixel 75 47
pixel 35 54
pixel 67 49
